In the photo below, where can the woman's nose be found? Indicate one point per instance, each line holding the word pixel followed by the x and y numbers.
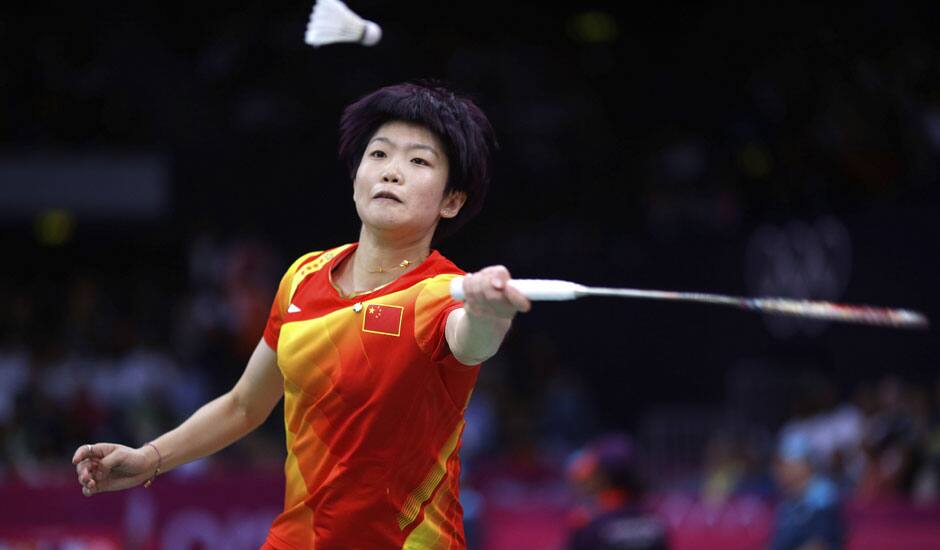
pixel 391 175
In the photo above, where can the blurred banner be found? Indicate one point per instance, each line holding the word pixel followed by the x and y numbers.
pixel 101 186
pixel 233 510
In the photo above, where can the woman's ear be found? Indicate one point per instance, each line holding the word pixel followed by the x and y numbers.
pixel 452 203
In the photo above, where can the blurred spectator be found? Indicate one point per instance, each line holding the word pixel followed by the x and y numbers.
pixel 927 483
pixel 14 372
pixel 833 430
pixel 809 516
pixel 606 475
pixel 565 413
pixel 734 465
pixel 231 285
pixel 890 445
pixel 102 366
pixel 723 468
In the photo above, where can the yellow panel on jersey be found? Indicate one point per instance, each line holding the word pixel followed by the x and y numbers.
pixel 421 495
pixel 373 405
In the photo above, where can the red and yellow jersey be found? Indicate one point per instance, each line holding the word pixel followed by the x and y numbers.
pixel 373 409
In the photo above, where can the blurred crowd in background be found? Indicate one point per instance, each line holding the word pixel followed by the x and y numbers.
pixel 631 151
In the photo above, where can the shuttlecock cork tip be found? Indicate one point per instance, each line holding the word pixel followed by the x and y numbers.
pixel 371 34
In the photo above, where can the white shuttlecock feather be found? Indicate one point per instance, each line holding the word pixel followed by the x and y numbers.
pixel 331 21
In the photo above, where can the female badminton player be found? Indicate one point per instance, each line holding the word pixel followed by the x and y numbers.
pixel 374 359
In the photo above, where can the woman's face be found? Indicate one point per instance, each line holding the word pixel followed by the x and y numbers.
pixel 399 186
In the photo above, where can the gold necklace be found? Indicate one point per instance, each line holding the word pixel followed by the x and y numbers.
pixel 404 264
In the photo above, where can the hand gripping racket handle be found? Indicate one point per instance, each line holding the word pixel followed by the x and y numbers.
pixel 533 289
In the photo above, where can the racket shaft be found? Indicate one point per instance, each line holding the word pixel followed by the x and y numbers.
pixel 558 290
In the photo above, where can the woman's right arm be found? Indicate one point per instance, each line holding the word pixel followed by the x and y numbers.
pixel 217 424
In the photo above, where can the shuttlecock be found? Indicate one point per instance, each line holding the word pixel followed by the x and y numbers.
pixel 331 21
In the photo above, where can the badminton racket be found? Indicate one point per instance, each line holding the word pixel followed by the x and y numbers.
pixel 557 290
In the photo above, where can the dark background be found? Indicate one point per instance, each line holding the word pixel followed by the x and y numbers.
pixel 640 146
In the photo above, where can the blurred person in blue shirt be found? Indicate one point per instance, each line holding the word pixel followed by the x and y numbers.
pixel 809 516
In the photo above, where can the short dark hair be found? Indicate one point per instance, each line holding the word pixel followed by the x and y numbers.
pixel 465 132
pixel 615 458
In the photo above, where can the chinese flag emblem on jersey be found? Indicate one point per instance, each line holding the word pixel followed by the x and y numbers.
pixel 381 319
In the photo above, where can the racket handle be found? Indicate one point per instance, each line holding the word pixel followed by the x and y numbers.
pixel 533 289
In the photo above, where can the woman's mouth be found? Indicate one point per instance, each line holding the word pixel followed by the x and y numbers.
pixel 385 195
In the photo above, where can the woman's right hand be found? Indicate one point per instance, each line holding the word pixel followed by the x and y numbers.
pixel 105 467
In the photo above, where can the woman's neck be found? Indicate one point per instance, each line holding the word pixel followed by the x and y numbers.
pixel 377 262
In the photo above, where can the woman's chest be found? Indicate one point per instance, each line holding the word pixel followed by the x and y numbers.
pixel 362 351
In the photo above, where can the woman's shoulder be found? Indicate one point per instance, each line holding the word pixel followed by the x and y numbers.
pixel 312 261
pixel 435 279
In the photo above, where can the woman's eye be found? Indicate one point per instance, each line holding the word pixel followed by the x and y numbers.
pixel 377 154
pixel 420 161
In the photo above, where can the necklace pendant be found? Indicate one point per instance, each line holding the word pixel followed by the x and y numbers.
pixel 357 307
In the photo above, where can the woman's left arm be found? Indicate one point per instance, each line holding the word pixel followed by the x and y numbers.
pixel 475 331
